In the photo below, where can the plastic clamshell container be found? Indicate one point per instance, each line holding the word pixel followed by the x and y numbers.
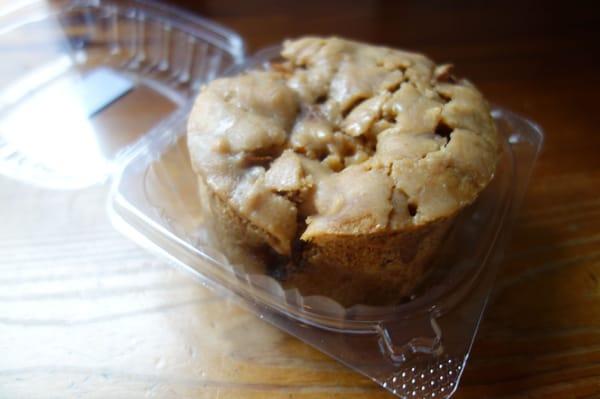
pixel 53 132
pixel 415 350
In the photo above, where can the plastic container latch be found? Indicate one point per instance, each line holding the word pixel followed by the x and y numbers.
pixel 427 339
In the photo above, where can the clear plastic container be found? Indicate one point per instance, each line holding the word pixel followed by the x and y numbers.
pixel 60 58
pixel 415 350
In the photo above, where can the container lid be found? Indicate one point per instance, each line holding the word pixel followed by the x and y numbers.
pixel 82 83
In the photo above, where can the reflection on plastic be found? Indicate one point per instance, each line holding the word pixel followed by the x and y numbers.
pixel 13 93
pixel 45 123
pixel 50 125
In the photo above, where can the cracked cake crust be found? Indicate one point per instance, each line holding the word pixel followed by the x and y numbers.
pixel 347 159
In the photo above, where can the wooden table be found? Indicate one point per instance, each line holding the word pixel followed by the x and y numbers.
pixel 85 313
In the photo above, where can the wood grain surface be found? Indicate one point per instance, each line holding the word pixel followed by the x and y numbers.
pixel 84 313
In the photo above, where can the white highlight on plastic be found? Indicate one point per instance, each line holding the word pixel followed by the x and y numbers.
pixel 34 79
pixel 52 127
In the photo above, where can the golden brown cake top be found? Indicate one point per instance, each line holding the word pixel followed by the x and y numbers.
pixel 343 138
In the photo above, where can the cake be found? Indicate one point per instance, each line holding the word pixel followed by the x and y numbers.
pixel 339 168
